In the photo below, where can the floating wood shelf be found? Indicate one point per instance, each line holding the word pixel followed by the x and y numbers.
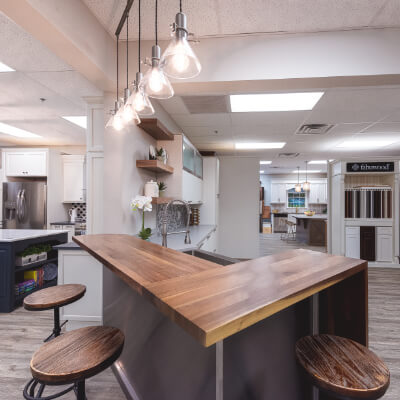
pixel 156 129
pixel 154 166
pixel 161 200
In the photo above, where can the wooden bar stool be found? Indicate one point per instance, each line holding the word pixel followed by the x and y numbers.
pixel 342 368
pixel 53 298
pixel 71 359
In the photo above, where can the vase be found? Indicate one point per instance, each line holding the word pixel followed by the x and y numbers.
pixel 161 193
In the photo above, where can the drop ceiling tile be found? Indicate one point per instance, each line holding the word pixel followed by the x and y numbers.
pixel 383 127
pixel 197 131
pixel 205 120
pixel 349 129
pixel 174 105
pixel 291 119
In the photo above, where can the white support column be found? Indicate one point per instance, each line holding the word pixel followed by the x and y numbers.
pixel 396 216
pixel 95 165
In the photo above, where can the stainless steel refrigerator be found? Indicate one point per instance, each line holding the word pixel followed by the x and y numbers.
pixel 24 205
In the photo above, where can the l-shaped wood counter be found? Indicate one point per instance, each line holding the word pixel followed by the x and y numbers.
pixel 230 304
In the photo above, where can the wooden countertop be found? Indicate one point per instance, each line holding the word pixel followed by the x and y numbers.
pixel 212 302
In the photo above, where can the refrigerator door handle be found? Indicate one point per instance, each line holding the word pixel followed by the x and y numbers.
pixel 18 207
pixel 23 205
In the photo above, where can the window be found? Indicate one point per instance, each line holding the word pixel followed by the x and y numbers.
pixel 296 199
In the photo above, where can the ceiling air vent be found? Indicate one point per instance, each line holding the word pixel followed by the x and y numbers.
pixel 288 155
pixel 314 129
pixel 206 104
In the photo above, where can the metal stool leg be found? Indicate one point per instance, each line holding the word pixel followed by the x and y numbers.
pixel 29 391
pixel 80 391
pixel 57 327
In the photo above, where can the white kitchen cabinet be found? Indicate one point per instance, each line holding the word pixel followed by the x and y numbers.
pixel 78 266
pixel 278 193
pixel 26 163
pixel 69 228
pixel 318 193
pixel 353 241
pixel 384 244
pixel 74 179
pixel 192 188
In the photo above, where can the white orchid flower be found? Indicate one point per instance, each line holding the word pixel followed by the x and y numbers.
pixel 142 203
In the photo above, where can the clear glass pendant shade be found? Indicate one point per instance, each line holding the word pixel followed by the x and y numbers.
pixel 110 122
pixel 179 61
pixel 156 84
pixel 129 114
pixel 118 122
pixel 140 101
pixel 297 187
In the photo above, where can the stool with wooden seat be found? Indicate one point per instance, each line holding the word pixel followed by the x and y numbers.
pixel 342 368
pixel 72 358
pixel 53 298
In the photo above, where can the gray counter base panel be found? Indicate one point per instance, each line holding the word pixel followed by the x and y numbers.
pixel 161 361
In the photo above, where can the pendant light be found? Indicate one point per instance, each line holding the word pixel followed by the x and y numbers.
pixel 179 60
pixel 116 120
pixel 139 99
pixel 156 84
pixel 297 187
pixel 306 184
pixel 129 113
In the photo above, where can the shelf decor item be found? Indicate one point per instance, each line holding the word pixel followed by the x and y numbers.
pixel 161 189
pixel 32 254
pixel 143 203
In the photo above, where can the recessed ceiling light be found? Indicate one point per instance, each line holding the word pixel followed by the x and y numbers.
pixel 274 101
pixel 5 68
pixel 318 162
pixel 257 146
pixel 265 162
pixel 303 171
pixel 362 144
pixel 13 131
pixel 261 172
pixel 78 120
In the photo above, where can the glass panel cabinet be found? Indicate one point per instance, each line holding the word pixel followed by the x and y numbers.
pixel 192 160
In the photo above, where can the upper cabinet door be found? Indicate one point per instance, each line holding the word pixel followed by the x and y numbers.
pixel 74 171
pixel 188 156
pixel 26 163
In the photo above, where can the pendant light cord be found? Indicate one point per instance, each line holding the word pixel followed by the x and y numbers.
pixel 127 51
pixel 180 5
pixel 140 34
pixel 117 67
pixel 156 22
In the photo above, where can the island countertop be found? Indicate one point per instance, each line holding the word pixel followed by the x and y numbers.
pixel 14 235
pixel 212 302
pixel 315 216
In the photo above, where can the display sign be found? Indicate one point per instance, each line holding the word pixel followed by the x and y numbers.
pixel 370 167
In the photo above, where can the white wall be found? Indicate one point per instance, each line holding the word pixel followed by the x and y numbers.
pixel 122 180
pixel 239 207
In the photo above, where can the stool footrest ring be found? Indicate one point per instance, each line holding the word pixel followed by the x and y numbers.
pixel 29 391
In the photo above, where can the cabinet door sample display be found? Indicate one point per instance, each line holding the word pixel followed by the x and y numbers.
pixel 367 243
pixel 368 202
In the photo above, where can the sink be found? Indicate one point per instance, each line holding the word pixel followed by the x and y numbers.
pixel 215 258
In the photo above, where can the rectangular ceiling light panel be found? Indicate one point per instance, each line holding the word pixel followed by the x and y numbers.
pixel 362 144
pixel 5 68
pixel 17 132
pixel 259 146
pixel 78 120
pixel 274 102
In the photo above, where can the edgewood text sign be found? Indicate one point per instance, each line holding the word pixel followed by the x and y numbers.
pixel 370 167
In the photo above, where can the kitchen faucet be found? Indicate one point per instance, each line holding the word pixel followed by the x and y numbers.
pixel 164 228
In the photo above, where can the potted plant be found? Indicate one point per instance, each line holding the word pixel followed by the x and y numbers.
pixel 161 155
pixel 161 188
pixel 142 203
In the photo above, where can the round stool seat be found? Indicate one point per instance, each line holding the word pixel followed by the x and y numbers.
pixel 55 296
pixel 342 367
pixel 77 355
